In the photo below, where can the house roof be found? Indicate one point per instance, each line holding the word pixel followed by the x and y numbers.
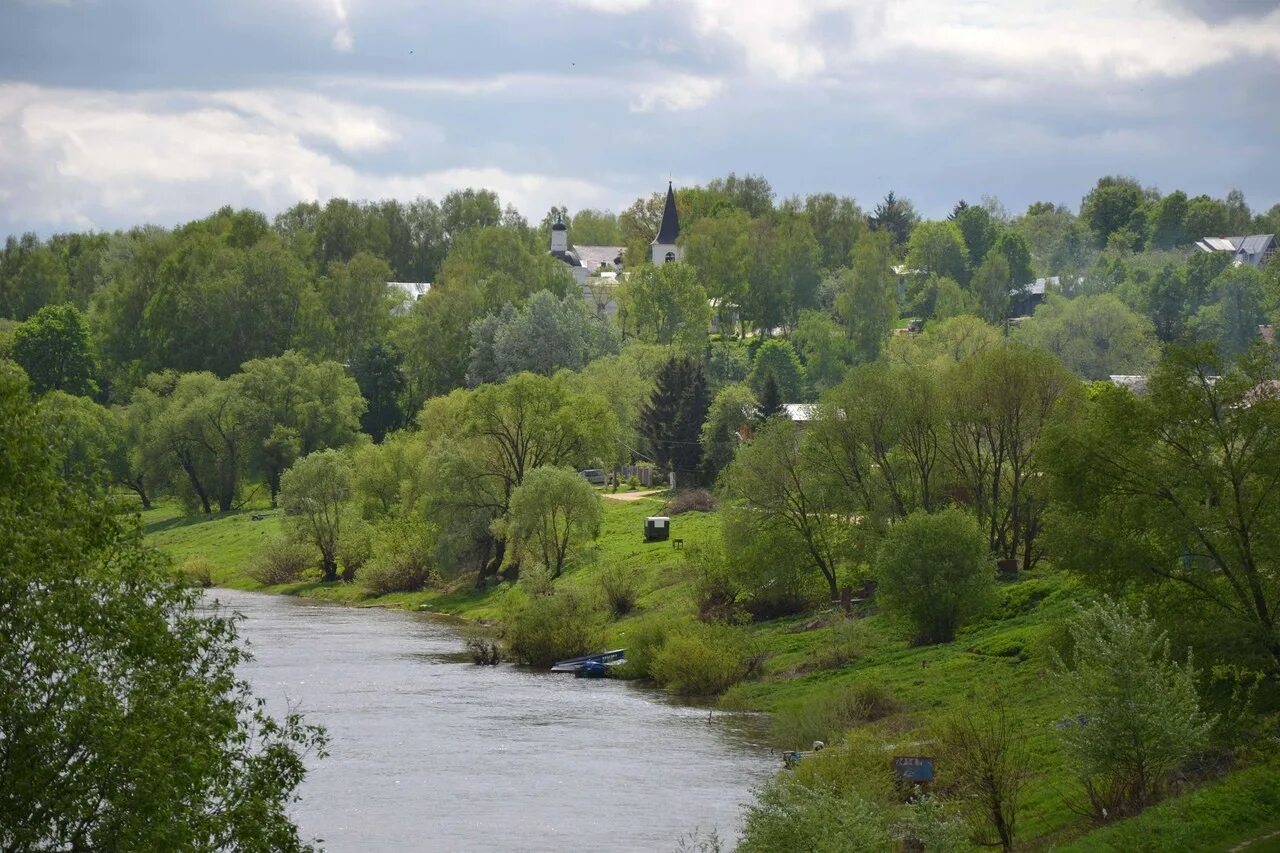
pixel 669 230
pixel 1134 383
pixel 800 412
pixel 1256 244
pixel 592 257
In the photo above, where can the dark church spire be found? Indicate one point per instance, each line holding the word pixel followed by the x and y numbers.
pixel 670 228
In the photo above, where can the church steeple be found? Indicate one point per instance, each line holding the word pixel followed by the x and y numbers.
pixel 664 245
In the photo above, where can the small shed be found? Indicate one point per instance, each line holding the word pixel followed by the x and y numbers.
pixel 657 528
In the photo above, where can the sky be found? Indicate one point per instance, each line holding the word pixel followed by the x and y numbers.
pixel 115 113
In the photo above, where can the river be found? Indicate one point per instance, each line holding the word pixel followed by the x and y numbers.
pixel 430 752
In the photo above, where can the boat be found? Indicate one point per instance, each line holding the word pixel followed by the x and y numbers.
pixel 597 660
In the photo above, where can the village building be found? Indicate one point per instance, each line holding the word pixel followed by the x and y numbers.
pixel 407 293
pixel 1253 251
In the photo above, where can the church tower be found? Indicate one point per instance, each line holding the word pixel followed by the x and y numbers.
pixel 559 237
pixel 665 249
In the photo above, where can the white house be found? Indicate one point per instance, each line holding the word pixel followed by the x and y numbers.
pixel 1254 250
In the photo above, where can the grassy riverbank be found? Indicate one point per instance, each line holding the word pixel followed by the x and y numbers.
pixel 818 669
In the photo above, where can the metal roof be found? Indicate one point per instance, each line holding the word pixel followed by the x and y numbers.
pixel 593 256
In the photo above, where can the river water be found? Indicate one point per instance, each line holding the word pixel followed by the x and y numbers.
pixel 430 752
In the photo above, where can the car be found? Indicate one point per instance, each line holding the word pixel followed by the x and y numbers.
pixel 594 476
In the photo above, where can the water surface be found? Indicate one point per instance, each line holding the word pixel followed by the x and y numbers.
pixel 429 752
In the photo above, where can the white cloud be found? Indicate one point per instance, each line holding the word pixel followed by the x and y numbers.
pixel 83 158
pixel 612 7
pixel 1102 39
pixel 674 92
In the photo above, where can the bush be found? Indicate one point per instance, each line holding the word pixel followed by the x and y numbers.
pixel 704 660
pixel 827 717
pixel 935 573
pixel 644 640
pixel 690 500
pixel 845 641
pixel 540 630
pixel 764 568
pixel 713 590
pixel 484 651
pixel 402 559
pixel 789 815
pixel 355 549
pixel 620 589
pixel 281 561
pixel 198 571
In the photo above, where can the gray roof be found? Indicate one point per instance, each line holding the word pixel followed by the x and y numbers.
pixel 1256 244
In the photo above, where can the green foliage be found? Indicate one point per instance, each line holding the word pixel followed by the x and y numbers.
pixel 281 561
pixel 547 334
pixel 542 629
pixel 938 248
pixel 1114 204
pixel 1139 713
pixel 673 418
pixel 666 305
pixel 827 716
pixel 789 815
pixel 988 762
pixel 935 572
pixel 402 559
pixel 315 494
pixel 1094 336
pixel 866 299
pixel 53 348
pixel 620 589
pixel 700 659
pixel 124 723
pixel 777 359
pixel 553 511
pixel 991 284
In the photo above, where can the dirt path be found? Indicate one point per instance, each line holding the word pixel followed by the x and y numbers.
pixel 1245 845
pixel 631 496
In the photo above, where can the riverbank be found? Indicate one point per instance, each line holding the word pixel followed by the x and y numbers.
pixel 818 669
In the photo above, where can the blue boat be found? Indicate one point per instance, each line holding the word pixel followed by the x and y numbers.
pixel 599 659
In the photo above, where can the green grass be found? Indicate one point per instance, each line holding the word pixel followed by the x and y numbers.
pixel 1008 654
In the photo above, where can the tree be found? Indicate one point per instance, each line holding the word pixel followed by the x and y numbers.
pixel 999 403
pixel 935 572
pixel 989 762
pixel 977 228
pixel 896 218
pixel 544 336
pixel 84 432
pixel 380 378
pixel 1178 487
pixel 991 284
pixel 776 479
pixel 824 349
pixel 1114 204
pixel 467 210
pixel 732 413
pixel 1234 311
pixel 1139 712
pixel 777 359
pixel 771 405
pixel 31 277
pixel 718 247
pixel 938 248
pixel 553 510
pixel 358 302
pixel 125 725
pixel 53 348
pixel 666 305
pixel 671 422
pixel 866 301
pixel 837 223
pixel 1094 336
pixel 315 493
pixel 1168 229
pixel 1014 247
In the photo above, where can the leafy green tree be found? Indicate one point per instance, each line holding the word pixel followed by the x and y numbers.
pixel 999 403
pixel 777 479
pixel 671 422
pixel 866 301
pixel 732 413
pixel 935 572
pixel 1014 247
pixel 469 210
pixel 358 303
pixel 824 349
pixel 991 284
pixel 1139 713
pixel 31 277
pixel 1094 336
pixel 53 348
pixel 1060 243
pixel 1114 204
pixel 951 300
pixel 124 722
pixel 718 247
pixel 594 228
pixel 501 265
pixel 977 228
pixel 938 248
pixel 1233 312
pixel 771 405
pixel 436 342
pixel 750 193
pixel 1205 217
pixel 544 336
pixel 315 494
pixel 777 359
pixel 1178 486
pixel 553 511
pixel 837 223
pixel 1168 226
pixel 945 342
pixel 667 305
pixel 84 432
pixel 377 371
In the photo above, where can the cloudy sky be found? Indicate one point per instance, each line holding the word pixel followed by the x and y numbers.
pixel 116 112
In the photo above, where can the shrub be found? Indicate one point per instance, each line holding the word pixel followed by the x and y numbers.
pixel 713 590
pixel 704 660
pixel 789 815
pixel 355 549
pixel 935 573
pixel 620 589
pixel 827 717
pixel 484 651
pixel 540 630
pixel 845 641
pixel 1139 706
pixel 281 561
pixel 644 640
pixel 988 765
pixel 198 571
pixel 402 559
pixel 690 500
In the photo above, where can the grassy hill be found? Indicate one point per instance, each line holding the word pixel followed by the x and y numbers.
pixel 815 663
